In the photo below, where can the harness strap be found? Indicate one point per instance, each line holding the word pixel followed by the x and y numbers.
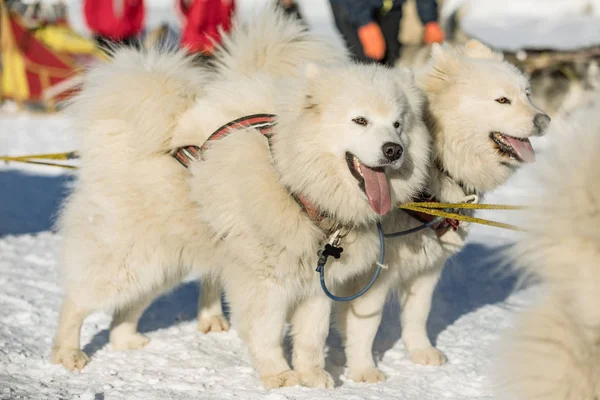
pixel 441 226
pixel 264 123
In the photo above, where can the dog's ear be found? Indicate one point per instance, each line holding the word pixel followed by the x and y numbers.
pixel 406 79
pixel 443 66
pixel 476 49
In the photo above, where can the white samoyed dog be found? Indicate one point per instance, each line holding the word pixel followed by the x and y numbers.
pixel 481 118
pixel 329 149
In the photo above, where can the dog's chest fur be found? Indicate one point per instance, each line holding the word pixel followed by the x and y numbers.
pixel 262 230
pixel 414 254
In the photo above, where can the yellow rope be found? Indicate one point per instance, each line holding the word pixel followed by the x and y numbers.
pixel 468 206
pixel 460 217
pixel 50 156
pixel 47 163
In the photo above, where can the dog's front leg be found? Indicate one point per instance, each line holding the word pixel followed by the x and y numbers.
pixel 66 350
pixel 259 307
pixel 310 327
pixel 416 303
pixel 358 322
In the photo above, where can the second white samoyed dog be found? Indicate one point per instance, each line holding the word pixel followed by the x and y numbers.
pixel 254 206
pixel 481 118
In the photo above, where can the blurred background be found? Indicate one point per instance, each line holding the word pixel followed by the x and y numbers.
pixel 45 43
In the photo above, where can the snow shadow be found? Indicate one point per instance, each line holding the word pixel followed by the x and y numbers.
pixel 178 305
pixel 29 203
pixel 475 277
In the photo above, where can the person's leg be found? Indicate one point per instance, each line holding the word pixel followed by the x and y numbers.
pixel 390 27
pixel 349 32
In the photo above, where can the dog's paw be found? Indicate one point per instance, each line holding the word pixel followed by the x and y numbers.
pixel 215 323
pixel 286 378
pixel 369 375
pixel 428 356
pixel 128 341
pixel 71 359
pixel 316 378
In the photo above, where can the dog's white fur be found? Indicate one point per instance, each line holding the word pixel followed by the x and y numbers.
pixel 123 244
pixel 461 86
pixel 138 222
pixel 553 351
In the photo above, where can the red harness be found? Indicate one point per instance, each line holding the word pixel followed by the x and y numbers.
pixel 264 123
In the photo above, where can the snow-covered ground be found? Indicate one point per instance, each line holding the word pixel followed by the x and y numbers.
pixel 472 306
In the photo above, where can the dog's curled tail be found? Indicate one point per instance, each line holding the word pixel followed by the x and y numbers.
pixel 134 100
pixel 274 43
pixel 553 352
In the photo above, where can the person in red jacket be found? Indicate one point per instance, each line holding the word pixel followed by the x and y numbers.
pixel 202 21
pixel 115 21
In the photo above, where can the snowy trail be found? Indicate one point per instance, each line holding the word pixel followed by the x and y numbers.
pixel 473 303
pixel 180 363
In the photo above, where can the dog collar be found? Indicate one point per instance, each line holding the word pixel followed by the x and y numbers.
pixel 264 123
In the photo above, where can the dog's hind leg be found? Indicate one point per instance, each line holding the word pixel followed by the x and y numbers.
pixel 310 326
pixel 123 328
pixel 259 308
pixel 416 304
pixel 210 310
pixel 66 350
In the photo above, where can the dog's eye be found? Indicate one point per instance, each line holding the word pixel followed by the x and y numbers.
pixel 362 121
pixel 396 125
pixel 503 100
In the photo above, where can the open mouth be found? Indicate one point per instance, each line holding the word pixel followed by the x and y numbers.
pixel 518 149
pixel 373 182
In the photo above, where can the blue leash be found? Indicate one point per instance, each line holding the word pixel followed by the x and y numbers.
pixel 414 230
pixel 323 260
pixel 334 251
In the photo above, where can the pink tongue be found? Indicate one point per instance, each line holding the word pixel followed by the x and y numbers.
pixel 377 189
pixel 522 148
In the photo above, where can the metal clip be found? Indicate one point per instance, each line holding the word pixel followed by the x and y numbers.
pixel 339 233
pixel 471 199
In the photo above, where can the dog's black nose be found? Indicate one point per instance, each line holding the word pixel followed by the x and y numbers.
pixel 392 151
pixel 541 122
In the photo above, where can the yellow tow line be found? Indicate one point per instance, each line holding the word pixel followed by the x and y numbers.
pixel 437 209
pixel 431 208
pixel 31 159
